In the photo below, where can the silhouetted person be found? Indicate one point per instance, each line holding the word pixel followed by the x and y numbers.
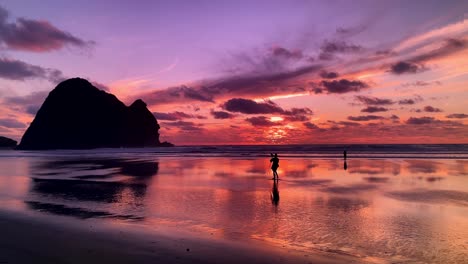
pixel 275 193
pixel 274 165
pixel 344 154
pixel 345 166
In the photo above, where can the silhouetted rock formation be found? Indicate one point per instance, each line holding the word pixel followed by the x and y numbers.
pixel 7 142
pixel 77 115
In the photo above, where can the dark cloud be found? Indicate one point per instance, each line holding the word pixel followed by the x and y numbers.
pixel 35 35
pixel 30 99
pixel 406 67
pixel 374 109
pixel 173 116
pixel 221 115
pixel 261 121
pixel 184 125
pixel 11 123
pixel 426 120
pixel 365 118
pixel 420 120
pixel 339 46
pixel 411 101
pixel 329 48
pixel 407 101
pixel 247 106
pixel 414 64
pixel 450 46
pixel 177 94
pixel 329 75
pixel 348 123
pixel 457 116
pixel 368 100
pixel 341 86
pixel 298 114
pixel 285 53
pixel 29 103
pixel 20 71
pixel 310 125
pixel 336 124
pixel 298 111
pixel 432 109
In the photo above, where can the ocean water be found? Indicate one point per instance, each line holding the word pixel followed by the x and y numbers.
pixel 387 204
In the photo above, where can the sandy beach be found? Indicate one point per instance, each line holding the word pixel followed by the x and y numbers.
pixel 145 208
pixel 49 240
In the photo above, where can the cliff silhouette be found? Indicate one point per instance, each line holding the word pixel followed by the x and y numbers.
pixel 77 115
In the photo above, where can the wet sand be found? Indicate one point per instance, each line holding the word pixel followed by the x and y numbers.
pixel 137 209
pixel 26 239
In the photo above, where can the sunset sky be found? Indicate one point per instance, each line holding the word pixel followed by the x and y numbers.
pixel 249 72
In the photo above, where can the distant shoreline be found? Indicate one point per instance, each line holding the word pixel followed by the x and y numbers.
pixel 318 151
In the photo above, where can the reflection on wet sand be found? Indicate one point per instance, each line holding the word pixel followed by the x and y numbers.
pixel 104 181
pixel 275 197
pixel 422 166
pixel 60 209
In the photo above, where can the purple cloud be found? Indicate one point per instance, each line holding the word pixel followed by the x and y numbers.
pixel 184 125
pixel 420 120
pixel 348 123
pixel 341 86
pixel 450 46
pixel 221 115
pixel 339 46
pixel 411 101
pixel 247 106
pixel 310 125
pixel 432 109
pixel 20 71
pixel 403 67
pixel 368 100
pixel 329 75
pixel 285 53
pixel 460 116
pixel 298 114
pixel 365 118
pixel 406 102
pixel 173 116
pixel 35 35
pixel 374 109
pixel 11 123
pixel 329 48
pixel 261 121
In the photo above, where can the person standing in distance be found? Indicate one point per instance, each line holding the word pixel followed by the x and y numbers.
pixel 274 165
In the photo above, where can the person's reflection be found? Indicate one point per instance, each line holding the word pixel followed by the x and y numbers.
pixel 275 193
pixel 345 165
